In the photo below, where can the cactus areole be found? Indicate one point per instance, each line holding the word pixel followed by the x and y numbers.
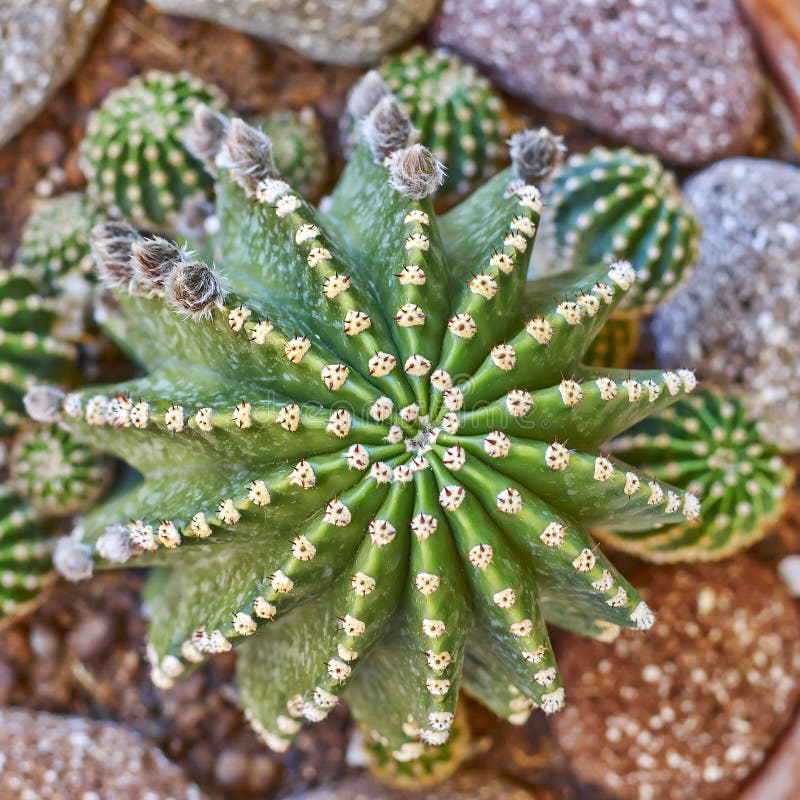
pixel 369 451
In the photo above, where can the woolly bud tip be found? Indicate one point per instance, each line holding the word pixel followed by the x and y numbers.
pixel 247 153
pixel 366 94
pixel 72 558
pixel 386 128
pixel 195 289
pixel 205 135
pixel 193 217
pixel 114 544
pixel 153 260
pixel 415 172
pixel 535 154
pixel 43 403
pixel 111 250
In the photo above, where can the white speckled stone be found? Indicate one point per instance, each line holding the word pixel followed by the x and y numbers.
pixel 333 31
pixel 46 757
pixel 737 319
pixel 677 78
pixel 41 42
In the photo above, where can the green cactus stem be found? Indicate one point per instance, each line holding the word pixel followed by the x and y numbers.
pixel 133 158
pixel 458 114
pixel 25 555
pixel 379 486
pixel 29 351
pixel 54 473
pixel 298 149
pixel 619 204
pixel 709 445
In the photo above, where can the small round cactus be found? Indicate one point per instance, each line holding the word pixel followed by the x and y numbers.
pixel 356 462
pixel 132 156
pixel 458 114
pixel 25 555
pixel 55 239
pixel 29 352
pixel 617 342
pixel 54 473
pixel 299 149
pixel 710 446
pixel 611 204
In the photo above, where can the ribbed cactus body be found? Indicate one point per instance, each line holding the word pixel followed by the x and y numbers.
pixel 29 352
pixel 299 149
pixel 55 239
pixel 458 114
pixel 25 555
pixel 355 460
pixel 707 444
pixel 132 156
pixel 616 344
pixel 611 204
pixel 54 473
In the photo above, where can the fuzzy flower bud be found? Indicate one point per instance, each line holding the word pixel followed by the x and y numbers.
pixel 535 154
pixel 415 172
pixel 195 289
pixel 386 128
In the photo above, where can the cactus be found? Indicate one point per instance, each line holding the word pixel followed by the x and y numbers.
pixel 298 149
pixel 25 555
pixel 619 204
pixel 28 349
pixel 709 445
pixel 458 114
pixel 54 473
pixel 132 157
pixel 355 461
pixel 55 239
pixel 616 344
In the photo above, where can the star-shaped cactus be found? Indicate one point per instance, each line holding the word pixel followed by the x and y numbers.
pixel 368 450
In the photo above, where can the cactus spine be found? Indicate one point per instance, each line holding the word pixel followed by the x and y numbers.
pixel 355 463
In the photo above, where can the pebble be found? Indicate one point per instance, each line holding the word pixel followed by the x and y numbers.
pixel 48 757
pixel 677 78
pixel 736 319
pixel 41 42
pixel 332 31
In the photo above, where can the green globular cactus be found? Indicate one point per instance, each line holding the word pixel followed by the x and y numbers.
pixel 457 113
pixel 54 473
pixel 709 445
pixel 298 149
pixel 55 239
pixel 132 156
pixel 619 204
pixel 355 460
pixel 29 351
pixel 616 344
pixel 25 555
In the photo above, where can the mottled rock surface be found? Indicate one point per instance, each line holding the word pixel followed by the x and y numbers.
pixel 41 42
pixel 45 757
pixel 471 785
pixel 679 78
pixel 737 319
pixel 334 31
pixel 690 709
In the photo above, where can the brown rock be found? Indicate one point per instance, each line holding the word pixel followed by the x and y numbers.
pixel 65 758
pixel 690 709
pixel 677 78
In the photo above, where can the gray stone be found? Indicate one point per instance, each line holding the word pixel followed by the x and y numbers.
pixel 41 42
pixel 333 31
pixel 737 318
pixel 677 78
